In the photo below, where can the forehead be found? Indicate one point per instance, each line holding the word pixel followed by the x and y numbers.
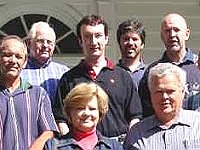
pixel 131 34
pixel 45 33
pixel 174 21
pixel 170 79
pixel 12 44
pixel 99 28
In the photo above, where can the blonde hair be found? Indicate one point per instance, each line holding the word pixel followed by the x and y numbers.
pixel 83 92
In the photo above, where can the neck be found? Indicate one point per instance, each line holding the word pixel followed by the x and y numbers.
pixel 12 84
pixel 78 135
pixel 176 56
pixel 132 64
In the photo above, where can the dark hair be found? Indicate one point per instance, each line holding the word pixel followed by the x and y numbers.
pixel 91 20
pixel 132 25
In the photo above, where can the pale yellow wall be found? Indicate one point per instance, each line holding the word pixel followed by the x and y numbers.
pixel 114 11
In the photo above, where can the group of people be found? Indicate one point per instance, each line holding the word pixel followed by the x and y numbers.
pixel 98 104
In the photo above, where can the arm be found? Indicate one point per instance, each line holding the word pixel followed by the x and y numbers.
pixel 39 143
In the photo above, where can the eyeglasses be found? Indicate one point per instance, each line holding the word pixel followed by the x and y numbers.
pixel 42 41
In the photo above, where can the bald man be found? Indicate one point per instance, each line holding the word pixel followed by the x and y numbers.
pixel 174 34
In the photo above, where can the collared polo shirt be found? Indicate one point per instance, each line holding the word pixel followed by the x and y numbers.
pixel 25 114
pixel 46 76
pixel 137 74
pixel 184 134
pixel 143 90
pixel 124 103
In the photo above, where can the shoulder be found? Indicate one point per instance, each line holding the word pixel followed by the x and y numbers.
pixel 59 64
pixel 110 143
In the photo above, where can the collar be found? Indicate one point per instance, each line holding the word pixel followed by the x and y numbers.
pixel 67 139
pixel 141 66
pixel 33 63
pixel 110 64
pixel 180 120
pixel 189 58
pixel 24 85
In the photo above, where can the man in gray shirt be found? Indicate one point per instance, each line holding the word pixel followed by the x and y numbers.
pixel 171 127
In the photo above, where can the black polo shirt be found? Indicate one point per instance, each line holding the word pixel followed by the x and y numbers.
pixel 124 102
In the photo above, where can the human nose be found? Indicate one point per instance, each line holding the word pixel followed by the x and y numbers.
pixel 94 39
pixel 165 95
pixel 172 32
pixel 12 58
pixel 86 111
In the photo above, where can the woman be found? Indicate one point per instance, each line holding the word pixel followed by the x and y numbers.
pixel 85 106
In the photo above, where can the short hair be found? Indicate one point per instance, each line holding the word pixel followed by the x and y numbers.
pixel 164 69
pixel 15 37
pixel 38 25
pixel 91 20
pixel 133 26
pixel 83 92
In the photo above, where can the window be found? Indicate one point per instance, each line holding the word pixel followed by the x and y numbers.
pixel 66 42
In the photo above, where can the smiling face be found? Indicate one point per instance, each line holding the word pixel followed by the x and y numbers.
pixel 131 45
pixel 84 118
pixel 13 58
pixel 166 96
pixel 42 45
pixel 93 41
pixel 174 33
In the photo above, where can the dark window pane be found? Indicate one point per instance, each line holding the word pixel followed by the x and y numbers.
pixel 59 27
pixel 69 44
pixel 14 27
pixel 32 18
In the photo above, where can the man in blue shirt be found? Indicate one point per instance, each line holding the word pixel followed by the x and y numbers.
pixel 174 34
pixel 40 69
pixel 131 40
pixel 171 127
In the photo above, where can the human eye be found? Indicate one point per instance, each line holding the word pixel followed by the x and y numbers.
pixel 99 35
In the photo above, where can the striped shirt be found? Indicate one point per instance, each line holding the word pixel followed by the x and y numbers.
pixel 24 114
pixel 46 76
pixel 184 134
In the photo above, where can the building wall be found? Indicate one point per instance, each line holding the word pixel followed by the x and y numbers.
pixel 114 11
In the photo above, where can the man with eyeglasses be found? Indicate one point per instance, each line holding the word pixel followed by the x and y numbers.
pixel 40 69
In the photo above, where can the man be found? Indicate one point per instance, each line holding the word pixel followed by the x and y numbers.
pixel 174 34
pixel 25 109
pixel 171 127
pixel 40 69
pixel 124 103
pixel 131 40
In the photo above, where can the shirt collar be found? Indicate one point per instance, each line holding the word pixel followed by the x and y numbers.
pixel 110 64
pixel 141 66
pixel 188 59
pixel 180 120
pixel 68 139
pixel 33 63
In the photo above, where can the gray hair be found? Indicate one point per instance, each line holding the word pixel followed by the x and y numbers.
pixel 163 69
pixel 38 25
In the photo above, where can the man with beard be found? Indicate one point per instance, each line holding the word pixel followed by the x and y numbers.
pixel 131 40
pixel 174 34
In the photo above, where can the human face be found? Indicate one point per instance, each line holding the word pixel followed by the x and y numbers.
pixel 42 46
pixel 85 118
pixel 13 58
pixel 131 45
pixel 174 33
pixel 93 41
pixel 166 96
